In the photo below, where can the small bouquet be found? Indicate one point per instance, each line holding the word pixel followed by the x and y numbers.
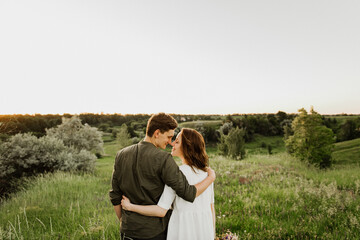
pixel 228 236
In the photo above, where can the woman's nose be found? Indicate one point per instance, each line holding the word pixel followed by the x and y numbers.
pixel 172 143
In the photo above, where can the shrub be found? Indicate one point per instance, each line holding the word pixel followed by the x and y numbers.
pixel 25 155
pixel 74 134
pixel 312 141
pixel 349 130
pixel 226 127
pixel 233 143
pixel 104 127
pixel 223 149
pixel 123 136
pixel 269 148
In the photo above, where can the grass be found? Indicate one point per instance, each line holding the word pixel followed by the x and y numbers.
pixel 269 197
pixel 260 143
pixel 255 147
pixel 347 152
pixel 261 197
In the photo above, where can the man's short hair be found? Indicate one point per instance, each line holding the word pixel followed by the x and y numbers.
pixel 162 121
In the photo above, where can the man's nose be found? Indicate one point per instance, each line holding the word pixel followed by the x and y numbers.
pixel 172 143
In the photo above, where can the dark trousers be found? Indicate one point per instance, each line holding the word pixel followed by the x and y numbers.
pixel 161 236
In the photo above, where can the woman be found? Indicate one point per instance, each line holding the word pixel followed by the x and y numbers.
pixel 189 220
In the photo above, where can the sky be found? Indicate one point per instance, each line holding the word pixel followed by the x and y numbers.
pixel 186 57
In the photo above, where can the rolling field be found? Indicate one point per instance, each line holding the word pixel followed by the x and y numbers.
pixel 192 124
pixel 261 197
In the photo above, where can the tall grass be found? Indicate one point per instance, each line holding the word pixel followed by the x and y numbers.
pixel 262 197
pixel 270 197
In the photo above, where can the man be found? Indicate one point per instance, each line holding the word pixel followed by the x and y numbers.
pixel 141 172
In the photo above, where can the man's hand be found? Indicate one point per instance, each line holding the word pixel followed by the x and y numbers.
pixel 125 203
pixel 211 173
pixel 202 186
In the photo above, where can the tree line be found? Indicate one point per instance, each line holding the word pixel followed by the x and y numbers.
pixel 38 123
pixel 264 124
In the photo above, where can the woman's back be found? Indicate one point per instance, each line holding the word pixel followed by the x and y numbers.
pixel 190 220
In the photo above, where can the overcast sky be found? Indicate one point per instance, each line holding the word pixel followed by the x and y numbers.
pixel 191 57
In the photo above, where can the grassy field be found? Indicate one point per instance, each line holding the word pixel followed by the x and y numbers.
pixel 255 147
pixel 262 197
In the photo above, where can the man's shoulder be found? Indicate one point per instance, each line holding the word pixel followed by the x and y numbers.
pixel 152 151
pixel 127 150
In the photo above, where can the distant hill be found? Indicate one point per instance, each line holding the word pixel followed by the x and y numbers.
pixel 193 124
pixel 347 152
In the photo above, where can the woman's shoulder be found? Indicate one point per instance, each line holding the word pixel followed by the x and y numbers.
pixel 186 169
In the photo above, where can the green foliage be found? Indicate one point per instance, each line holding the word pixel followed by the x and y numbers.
pixel 208 132
pixel 349 130
pixel 74 134
pixel 233 143
pixel 222 147
pixel 105 127
pixel 312 141
pixel 286 125
pixel 123 136
pixel 225 128
pixel 269 148
pixel 25 155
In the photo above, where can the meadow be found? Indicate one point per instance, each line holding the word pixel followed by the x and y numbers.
pixel 261 197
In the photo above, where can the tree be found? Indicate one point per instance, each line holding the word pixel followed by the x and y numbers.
pixel 347 131
pixel 74 134
pixel 233 143
pixel 312 141
pixel 123 136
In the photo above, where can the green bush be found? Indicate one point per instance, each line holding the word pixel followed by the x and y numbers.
pixel 66 147
pixel 233 143
pixel 312 141
pixel 74 134
pixel 25 155
pixel 123 136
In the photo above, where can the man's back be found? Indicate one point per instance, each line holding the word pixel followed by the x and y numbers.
pixel 140 173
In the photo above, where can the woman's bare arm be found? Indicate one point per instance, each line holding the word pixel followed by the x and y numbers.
pixel 213 216
pixel 147 210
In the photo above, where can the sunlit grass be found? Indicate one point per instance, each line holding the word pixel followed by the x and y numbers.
pixel 262 197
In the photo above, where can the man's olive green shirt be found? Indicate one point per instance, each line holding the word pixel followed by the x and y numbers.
pixel 140 173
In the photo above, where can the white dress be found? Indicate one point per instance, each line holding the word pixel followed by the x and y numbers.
pixel 189 220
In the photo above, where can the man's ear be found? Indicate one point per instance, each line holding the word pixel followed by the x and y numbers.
pixel 156 133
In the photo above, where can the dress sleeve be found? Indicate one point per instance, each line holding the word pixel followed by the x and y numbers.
pixel 174 178
pixel 167 198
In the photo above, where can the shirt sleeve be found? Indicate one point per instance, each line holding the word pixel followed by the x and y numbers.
pixel 167 198
pixel 174 178
pixel 115 193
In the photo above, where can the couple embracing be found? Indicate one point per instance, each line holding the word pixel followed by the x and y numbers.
pixel 153 197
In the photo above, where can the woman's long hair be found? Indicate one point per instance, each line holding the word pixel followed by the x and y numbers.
pixel 193 148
